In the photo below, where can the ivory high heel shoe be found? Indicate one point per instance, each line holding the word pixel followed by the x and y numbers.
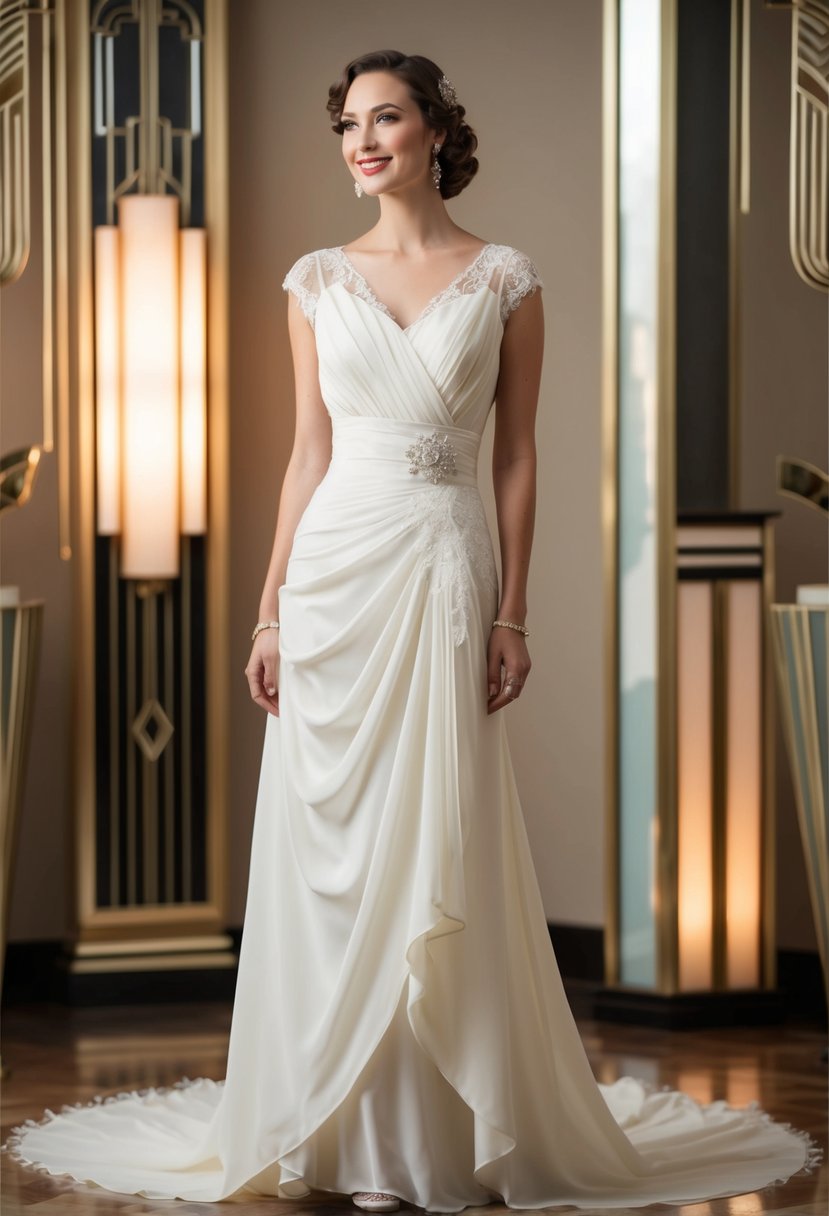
pixel 375 1201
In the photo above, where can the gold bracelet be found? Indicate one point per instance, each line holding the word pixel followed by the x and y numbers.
pixel 263 625
pixel 512 625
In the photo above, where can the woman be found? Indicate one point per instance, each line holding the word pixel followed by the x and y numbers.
pixel 400 1030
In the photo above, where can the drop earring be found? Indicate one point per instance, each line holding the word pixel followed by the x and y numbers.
pixel 436 170
pixel 358 190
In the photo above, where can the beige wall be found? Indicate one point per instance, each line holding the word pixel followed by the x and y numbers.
pixel 530 77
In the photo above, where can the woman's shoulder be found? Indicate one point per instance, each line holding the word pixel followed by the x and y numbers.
pixel 515 259
pixel 518 276
pixel 307 277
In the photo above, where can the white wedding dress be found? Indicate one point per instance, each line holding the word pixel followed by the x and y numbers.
pixel 399 1020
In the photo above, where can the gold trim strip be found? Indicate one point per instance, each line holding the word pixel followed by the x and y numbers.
pixel 610 481
pixel 47 333
pixel 768 834
pixel 186 721
pixel 217 176
pixel 153 962
pixel 719 755
pixel 62 284
pixel 114 720
pixel 81 861
pixel 163 945
pixel 129 746
pixel 667 911
pixel 736 151
pixel 169 755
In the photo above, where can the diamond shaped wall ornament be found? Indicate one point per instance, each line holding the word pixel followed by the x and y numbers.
pixel 152 742
pixel 433 456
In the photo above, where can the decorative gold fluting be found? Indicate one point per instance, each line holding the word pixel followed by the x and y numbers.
pixel 15 214
pixel 809 143
pixel 33 56
pixel 148 138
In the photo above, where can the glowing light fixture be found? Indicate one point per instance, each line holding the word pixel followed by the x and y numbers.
pixel 151 385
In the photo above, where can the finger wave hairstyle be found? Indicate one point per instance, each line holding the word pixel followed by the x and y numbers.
pixel 456 157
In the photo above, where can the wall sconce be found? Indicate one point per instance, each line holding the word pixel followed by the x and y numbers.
pixel 150 320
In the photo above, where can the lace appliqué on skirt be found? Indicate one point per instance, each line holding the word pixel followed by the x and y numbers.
pixel 455 546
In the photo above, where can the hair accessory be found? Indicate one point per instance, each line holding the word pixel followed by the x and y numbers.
pixel 447 91
pixel 512 625
pixel 358 190
pixel 436 170
pixel 264 625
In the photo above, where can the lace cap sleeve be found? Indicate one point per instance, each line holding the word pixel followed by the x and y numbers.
pixel 520 279
pixel 302 280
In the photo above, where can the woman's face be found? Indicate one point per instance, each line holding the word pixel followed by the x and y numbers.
pixel 386 131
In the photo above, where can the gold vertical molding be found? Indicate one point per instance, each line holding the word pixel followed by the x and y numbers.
pixel 65 437
pixel 719 752
pixel 768 842
pixel 217 177
pixel 667 911
pixel 168 759
pixel 185 714
pixel 47 230
pixel 610 478
pixel 738 168
pixel 79 236
pixel 114 719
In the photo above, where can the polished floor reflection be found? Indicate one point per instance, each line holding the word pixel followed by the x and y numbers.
pixel 56 1056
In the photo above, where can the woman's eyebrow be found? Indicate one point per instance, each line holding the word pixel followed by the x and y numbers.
pixel 383 106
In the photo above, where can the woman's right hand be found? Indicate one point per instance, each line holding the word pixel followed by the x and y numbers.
pixel 262 670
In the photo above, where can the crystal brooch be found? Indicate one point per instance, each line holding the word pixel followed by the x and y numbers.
pixel 433 456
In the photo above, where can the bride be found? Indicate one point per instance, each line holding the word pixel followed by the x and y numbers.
pixel 400 1030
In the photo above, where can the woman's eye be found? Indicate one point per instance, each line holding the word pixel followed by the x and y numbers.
pixel 349 123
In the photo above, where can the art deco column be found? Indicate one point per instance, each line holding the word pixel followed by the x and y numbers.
pixel 148 127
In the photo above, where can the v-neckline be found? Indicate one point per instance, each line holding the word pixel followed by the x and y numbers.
pixel 377 303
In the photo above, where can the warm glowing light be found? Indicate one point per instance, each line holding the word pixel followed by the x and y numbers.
pixel 744 785
pixel 694 761
pixel 149 386
pixel 150 329
pixel 193 377
pixel 108 376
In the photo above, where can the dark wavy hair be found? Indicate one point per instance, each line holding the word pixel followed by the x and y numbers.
pixel 457 162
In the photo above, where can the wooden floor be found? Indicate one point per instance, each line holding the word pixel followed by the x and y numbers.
pixel 57 1056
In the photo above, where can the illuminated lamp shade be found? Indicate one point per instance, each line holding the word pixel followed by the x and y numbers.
pixel 193 381
pixel 149 386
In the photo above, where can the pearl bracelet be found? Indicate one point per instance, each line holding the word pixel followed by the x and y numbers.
pixel 264 625
pixel 512 625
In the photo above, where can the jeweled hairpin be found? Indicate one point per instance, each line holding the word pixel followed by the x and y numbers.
pixel 447 91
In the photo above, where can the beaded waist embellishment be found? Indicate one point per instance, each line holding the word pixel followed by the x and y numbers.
pixel 433 456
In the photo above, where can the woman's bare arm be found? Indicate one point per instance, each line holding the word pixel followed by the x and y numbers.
pixel 310 457
pixel 513 476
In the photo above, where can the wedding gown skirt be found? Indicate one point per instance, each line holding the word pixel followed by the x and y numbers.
pixel 399 1020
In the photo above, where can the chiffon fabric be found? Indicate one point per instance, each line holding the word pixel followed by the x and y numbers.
pixel 399 1021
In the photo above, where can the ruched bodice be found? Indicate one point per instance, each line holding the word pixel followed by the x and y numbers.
pixel 442 368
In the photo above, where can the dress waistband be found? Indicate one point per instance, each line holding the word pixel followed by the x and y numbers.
pixel 425 453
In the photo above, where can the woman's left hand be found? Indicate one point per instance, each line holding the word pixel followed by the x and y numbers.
pixel 508 665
